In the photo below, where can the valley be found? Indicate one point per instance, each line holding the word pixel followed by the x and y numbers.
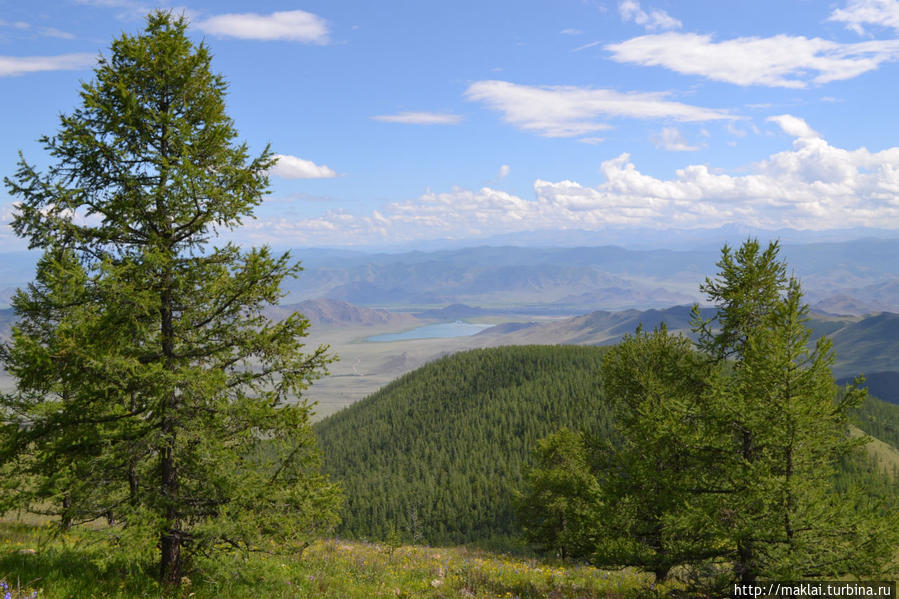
pixel 866 345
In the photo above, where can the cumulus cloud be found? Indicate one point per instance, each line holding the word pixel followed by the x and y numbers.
pixel 419 118
pixel 671 139
pixel 291 167
pixel 859 13
pixel 290 25
pixel 11 66
pixel 779 61
pixel 568 111
pixel 653 20
pixel 504 171
pixel 794 126
pixel 813 185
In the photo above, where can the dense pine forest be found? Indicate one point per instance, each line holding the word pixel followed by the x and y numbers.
pixel 438 455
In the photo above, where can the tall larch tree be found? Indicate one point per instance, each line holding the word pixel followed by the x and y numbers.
pixel 782 515
pixel 151 389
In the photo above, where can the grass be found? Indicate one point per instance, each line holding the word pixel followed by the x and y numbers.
pixel 77 566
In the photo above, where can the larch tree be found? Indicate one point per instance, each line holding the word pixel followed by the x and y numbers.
pixel 558 509
pixel 727 450
pixel 788 429
pixel 655 382
pixel 151 389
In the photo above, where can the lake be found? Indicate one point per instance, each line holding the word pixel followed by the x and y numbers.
pixel 430 331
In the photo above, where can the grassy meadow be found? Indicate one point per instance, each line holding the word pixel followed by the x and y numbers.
pixel 79 565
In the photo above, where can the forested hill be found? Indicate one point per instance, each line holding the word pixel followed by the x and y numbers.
pixel 437 453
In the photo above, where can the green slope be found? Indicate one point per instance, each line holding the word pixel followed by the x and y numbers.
pixel 869 345
pixel 436 453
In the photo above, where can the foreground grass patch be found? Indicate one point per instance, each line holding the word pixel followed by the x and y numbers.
pixel 75 566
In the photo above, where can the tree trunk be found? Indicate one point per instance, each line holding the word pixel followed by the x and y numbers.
pixel 66 519
pixel 170 563
pixel 744 567
pixel 170 541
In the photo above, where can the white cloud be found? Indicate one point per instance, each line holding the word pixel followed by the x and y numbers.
pixel 858 13
pixel 652 21
pixel 291 25
pixel 585 46
pixel 671 139
pixel 19 65
pixel 57 33
pixel 22 25
pixel 733 130
pixel 813 185
pixel 571 31
pixel 794 126
pixel 291 167
pixel 779 61
pixel 419 118
pixel 568 111
pixel 504 171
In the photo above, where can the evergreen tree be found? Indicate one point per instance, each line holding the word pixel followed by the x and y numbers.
pixel 656 385
pixel 151 390
pixel 558 511
pixel 727 456
pixel 749 284
pixel 784 517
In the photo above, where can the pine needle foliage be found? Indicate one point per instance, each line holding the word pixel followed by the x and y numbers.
pixel 151 390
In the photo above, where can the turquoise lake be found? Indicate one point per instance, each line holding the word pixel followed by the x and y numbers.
pixel 431 331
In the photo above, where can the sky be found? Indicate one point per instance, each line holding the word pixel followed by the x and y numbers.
pixel 404 121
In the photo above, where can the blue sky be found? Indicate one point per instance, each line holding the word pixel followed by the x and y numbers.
pixel 410 120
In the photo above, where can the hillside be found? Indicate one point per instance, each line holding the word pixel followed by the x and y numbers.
pixel 437 453
pixel 596 328
pixel 868 345
pixel 324 312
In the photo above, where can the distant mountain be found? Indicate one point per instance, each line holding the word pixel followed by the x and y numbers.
pixel 861 345
pixel 643 238
pixel 7 318
pixel 839 276
pixel 598 328
pixel 867 345
pixel 882 385
pixel 841 304
pixel 579 272
pixel 333 313
pixel 454 312
pixel 623 297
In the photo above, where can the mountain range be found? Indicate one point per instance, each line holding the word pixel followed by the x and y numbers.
pixel 839 275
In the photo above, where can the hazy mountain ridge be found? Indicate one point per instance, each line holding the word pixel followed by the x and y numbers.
pixel 843 277
pixel 856 276
pixel 325 312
